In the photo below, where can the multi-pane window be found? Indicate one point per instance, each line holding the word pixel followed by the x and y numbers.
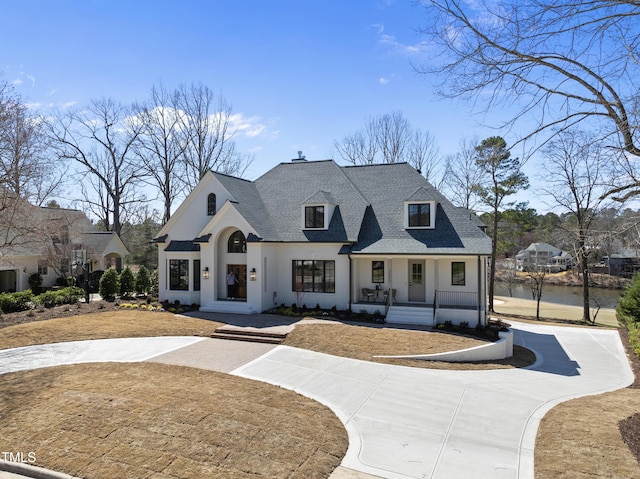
pixel 314 216
pixel 237 243
pixel 179 274
pixel 211 204
pixel 317 276
pixel 43 268
pixel 457 273
pixel 377 271
pixel 196 275
pixel 419 215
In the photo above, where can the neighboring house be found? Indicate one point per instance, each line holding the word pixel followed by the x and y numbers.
pixel 63 238
pixel 624 263
pixel 543 255
pixel 373 237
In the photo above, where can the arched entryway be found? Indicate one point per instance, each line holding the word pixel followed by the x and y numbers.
pixel 232 265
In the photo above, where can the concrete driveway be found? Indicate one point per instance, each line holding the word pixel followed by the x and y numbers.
pixel 402 422
pixel 419 423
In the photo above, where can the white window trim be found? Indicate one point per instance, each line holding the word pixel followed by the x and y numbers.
pixel 328 211
pixel 432 215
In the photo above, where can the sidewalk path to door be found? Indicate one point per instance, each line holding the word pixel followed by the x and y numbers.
pixel 402 422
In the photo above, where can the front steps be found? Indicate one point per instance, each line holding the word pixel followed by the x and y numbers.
pixel 410 315
pixel 249 334
pixel 233 307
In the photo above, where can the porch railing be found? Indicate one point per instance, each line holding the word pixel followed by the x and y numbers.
pixel 456 300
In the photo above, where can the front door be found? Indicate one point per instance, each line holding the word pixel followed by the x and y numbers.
pixel 416 281
pixel 239 290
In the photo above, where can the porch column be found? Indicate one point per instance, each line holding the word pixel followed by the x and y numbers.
pixel 436 277
pixel 480 289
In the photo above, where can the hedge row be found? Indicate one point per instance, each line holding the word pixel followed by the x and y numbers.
pixel 24 300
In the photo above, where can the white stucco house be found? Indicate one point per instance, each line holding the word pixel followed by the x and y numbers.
pixel 376 237
pixel 543 255
pixel 59 237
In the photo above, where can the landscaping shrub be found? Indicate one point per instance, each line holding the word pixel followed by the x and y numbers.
pixel 14 302
pixel 69 295
pixel 35 283
pixel 64 281
pixel 94 280
pixel 109 285
pixel 127 282
pixel 47 299
pixel 628 312
pixel 143 280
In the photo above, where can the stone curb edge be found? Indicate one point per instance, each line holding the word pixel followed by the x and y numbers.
pixel 34 472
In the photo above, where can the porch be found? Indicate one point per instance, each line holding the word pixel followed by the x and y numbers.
pixel 454 306
pixel 422 290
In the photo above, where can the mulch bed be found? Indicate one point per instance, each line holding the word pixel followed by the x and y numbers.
pixel 630 431
pixel 630 427
pixel 40 314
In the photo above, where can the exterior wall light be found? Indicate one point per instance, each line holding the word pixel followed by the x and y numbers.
pixel 205 273
pixel 252 274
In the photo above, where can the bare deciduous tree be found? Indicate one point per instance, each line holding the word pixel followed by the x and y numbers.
pixel 162 144
pixel 461 173
pixel 424 155
pixel 101 140
pixel 27 175
pixel 564 62
pixel 389 138
pixel 208 131
pixel 537 275
pixel 575 170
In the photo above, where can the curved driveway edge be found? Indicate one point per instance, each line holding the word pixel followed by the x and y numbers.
pixel 419 423
pixel 402 422
pixel 92 351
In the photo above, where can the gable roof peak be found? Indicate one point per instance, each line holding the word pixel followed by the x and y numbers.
pixel 218 173
pixel 320 196
pixel 421 194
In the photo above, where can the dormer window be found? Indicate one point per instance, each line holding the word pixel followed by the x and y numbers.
pixel 314 217
pixel 420 214
pixel 317 211
pixel 211 204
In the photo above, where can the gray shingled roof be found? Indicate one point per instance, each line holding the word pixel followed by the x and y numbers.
pixel 321 197
pixel 369 211
pixel 249 204
pixel 183 246
pixel 95 242
pixel 388 186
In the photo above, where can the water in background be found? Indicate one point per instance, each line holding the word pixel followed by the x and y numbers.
pixel 569 295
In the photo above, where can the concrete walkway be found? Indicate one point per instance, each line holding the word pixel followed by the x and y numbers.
pixel 402 422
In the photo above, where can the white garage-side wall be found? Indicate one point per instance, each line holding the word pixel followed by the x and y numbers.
pixel 25 266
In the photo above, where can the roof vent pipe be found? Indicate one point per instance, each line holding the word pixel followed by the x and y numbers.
pixel 301 157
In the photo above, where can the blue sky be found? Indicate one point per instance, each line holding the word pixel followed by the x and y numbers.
pixel 299 73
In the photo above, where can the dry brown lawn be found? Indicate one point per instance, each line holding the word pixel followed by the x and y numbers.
pixel 580 438
pixel 593 436
pixel 366 342
pixel 577 439
pixel 121 323
pixel 148 420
